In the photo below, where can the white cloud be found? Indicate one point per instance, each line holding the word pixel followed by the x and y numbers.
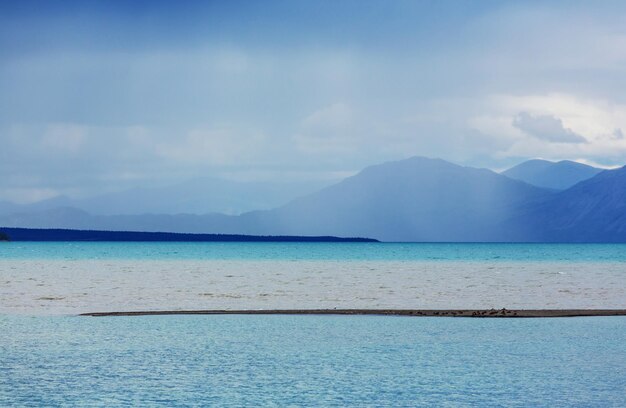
pixel 329 129
pixel 27 195
pixel 551 119
pixel 335 116
pixel 593 118
pixel 483 95
pixel 221 146
pixel 546 127
pixel 64 136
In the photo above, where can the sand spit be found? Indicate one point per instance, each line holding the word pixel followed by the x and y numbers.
pixel 383 312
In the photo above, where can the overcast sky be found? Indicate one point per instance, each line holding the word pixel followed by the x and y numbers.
pixel 98 96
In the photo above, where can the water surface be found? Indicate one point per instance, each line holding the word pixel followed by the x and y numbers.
pixel 465 252
pixel 71 278
pixel 312 361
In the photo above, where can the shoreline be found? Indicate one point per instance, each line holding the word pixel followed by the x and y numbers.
pixel 15 234
pixel 476 313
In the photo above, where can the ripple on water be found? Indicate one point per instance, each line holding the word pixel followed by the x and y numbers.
pixel 84 286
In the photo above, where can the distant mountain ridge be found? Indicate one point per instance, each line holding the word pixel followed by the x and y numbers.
pixel 554 175
pixel 417 199
pixel 198 196
pixel 593 210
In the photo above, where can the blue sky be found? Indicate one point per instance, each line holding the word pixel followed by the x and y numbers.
pixel 103 95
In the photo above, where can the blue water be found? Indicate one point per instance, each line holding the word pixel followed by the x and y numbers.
pixel 312 361
pixel 315 251
pixel 308 360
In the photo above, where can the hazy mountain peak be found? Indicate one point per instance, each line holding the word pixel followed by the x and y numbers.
pixel 201 195
pixel 416 199
pixel 554 175
pixel 414 165
pixel 593 210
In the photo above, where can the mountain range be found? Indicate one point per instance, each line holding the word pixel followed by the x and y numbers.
pixel 557 176
pixel 593 210
pixel 416 199
pixel 197 196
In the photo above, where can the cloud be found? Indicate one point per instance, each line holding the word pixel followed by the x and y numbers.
pixel 337 115
pixel 229 90
pixel 598 119
pixel 328 129
pixel 213 146
pixel 64 136
pixel 28 195
pixel 546 127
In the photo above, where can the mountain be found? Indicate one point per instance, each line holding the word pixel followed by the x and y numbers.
pixel 417 199
pixel 73 218
pixel 593 210
pixel 197 196
pixel 7 207
pixel 558 176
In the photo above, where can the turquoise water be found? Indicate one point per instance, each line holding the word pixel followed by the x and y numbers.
pixel 315 251
pixel 64 360
pixel 71 278
pixel 312 361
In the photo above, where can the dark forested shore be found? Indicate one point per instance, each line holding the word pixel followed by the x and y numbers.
pixel 32 234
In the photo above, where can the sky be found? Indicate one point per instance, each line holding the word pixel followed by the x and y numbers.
pixel 100 96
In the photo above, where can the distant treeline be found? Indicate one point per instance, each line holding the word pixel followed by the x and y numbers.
pixel 28 234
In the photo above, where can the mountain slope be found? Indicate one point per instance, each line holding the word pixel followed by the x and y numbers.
pixel 197 196
pixel 546 174
pixel 72 218
pixel 592 211
pixel 412 200
pixel 417 199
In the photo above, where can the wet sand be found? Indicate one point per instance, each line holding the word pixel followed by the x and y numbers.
pixel 480 313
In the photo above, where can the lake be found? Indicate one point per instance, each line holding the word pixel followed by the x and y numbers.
pixel 312 361
pixel 51 357
pixel 70 278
